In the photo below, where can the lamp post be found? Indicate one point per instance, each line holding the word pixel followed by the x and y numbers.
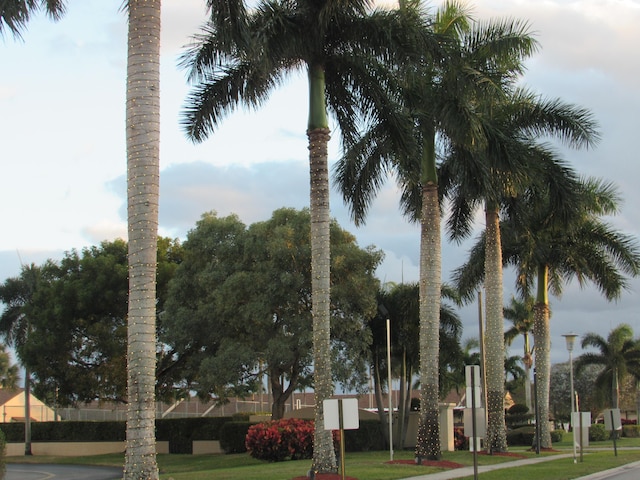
pixel 570 338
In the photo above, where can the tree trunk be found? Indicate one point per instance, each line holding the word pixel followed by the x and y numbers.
pixel 143 168
pixel 324 458
pixel 542 342
pixel 428 441
pixel 496 440
pixel 279 400
pixel 27 412
pixel 377 385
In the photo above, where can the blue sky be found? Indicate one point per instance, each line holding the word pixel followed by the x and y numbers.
pixel 63 161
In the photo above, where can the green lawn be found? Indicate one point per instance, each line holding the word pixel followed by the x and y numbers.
pixel 370 465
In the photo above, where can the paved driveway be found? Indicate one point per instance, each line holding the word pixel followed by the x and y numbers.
pixel 33 471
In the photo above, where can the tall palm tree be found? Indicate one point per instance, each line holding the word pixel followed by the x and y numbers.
pixel 143 165
pixel 551 240
pixel 143 169
pixel 520 314
pixel 15 14
pixel 439 100
pixel 345 48
pixel 618 355
pixel 488 175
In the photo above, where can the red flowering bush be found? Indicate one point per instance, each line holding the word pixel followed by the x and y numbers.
pixel 286 439
pixel 279 440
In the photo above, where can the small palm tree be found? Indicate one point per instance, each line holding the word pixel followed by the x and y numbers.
pixel 618 355
pixel 348 50
pixel 521 315
pixel 15 14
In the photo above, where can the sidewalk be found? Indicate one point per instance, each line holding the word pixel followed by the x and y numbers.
pixel 468 471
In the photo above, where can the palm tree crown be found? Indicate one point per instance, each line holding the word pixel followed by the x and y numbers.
pixel 618 355
pixel 15 14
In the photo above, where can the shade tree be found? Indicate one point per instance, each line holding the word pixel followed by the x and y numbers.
pixel 247 292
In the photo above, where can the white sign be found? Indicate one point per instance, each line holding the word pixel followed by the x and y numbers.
pixel 472 372
pixel 612 420
pixel 350 416
pixel 481 429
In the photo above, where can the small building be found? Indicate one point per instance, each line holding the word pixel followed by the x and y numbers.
pixel 12 403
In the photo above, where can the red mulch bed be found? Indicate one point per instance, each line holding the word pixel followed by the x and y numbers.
pixel 325 476
pixel 502 454
pixel 431 463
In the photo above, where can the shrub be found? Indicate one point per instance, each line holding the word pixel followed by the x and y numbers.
pixel 631 431
pixel 460 442
pixel 521 436
pixel 279 440
pixel 233 436
pixel 518 409
pixel 597 433
pixel 556 436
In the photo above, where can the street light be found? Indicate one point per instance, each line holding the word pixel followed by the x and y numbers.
pixel 571 340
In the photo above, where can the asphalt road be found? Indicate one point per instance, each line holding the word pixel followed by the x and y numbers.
pixel 33 471
pixel 630 471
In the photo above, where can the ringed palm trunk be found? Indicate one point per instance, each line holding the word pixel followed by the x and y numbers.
pixel 143 139
pixel 428 441
pixel 496 440
pixel 324 458
pixel 527 372
pixel 542 342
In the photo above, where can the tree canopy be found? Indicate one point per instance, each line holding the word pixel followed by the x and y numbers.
pixel 75 339
pixel 247 292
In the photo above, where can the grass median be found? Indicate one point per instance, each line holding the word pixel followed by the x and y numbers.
pixel 373 465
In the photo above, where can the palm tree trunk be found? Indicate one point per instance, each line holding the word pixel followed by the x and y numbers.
pixel 496 429
pixel 143 167
pixel 615 389
pixel 542 342
pixel 324 460
pixel 527 372
pixel 428 441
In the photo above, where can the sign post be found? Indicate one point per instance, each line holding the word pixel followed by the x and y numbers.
pixel 341 415
pixel 474 417
pixel 613 423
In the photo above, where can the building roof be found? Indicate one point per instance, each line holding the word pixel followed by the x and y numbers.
pixel 7 394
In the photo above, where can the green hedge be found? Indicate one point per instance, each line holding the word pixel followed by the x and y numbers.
pixel 368 437
pixel 631 431
pixel 3 451
pixel 521 436
pixel 233 436
pixel 66 431
pixel 180 433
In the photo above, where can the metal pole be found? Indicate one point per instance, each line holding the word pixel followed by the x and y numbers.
pixel 581 431
pixel 535 394
pixel 474 426
pixel 390 391
pixel 573 406
pixel 342 449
